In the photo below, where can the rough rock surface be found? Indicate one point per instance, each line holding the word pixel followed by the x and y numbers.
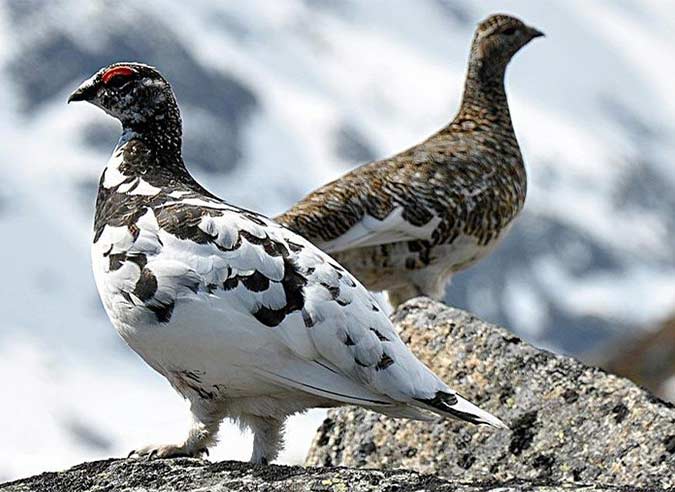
pixel 202 476
pixel 573 428
pixel 569 422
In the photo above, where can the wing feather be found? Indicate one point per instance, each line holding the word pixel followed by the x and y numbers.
pixel 325 331
pixel 370 231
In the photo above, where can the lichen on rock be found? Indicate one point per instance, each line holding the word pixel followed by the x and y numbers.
pixel 573 427
pixel 569 422
pixel 192 475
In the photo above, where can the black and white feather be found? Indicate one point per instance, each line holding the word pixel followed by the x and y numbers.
pixel 245 318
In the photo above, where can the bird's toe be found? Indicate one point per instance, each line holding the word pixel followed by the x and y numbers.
pixel 167 451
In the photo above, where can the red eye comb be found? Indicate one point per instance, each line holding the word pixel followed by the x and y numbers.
pixel 117 71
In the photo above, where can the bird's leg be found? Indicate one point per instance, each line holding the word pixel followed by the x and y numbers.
pixel 268 438
pixel 202 435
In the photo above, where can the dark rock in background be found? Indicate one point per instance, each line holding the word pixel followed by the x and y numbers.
pixel 352 146
pixel 569 422
pixel 532 240
pixel 648 359
pixel 55 63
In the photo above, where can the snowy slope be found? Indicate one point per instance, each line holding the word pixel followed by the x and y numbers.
pixel 279 97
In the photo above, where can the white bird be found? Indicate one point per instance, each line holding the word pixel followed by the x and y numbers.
pixel 246 319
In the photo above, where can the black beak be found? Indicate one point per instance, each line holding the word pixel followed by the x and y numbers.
pixel 535 33
pixel 85 92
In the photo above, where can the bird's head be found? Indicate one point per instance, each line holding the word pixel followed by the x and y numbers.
pixel 498 38
pixel 133 93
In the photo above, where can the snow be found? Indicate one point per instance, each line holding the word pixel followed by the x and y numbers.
pixel 394 72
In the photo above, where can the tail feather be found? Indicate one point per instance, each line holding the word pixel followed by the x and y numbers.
pixel 453 405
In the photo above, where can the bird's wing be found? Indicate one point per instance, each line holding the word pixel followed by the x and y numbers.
pixel 370 231
pixel 337 342
pixel 286 285
pixel 379 203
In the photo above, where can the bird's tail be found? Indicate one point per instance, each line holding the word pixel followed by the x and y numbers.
pixel 453 405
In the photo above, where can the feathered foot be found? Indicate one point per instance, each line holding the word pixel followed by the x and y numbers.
pixel 154 451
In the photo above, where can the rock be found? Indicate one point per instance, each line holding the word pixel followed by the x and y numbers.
pixel 570 422
pixel 573 428
pixel 201 476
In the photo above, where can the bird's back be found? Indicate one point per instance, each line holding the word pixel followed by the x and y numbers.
pixel 437 207
pixel 449 198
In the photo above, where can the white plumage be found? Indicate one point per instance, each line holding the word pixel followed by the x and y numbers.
pixel 350 354
pixel 370 231
pixel 245 318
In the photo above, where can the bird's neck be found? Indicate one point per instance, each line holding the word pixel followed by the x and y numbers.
pixel 151 148
pixel 484 101
pixel 147 162
pixel 161 134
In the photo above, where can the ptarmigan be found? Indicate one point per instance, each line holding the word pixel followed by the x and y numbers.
pixel 407 223
pixel 245 318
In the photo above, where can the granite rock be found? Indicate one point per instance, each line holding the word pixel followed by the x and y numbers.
pixel 573 427
pixel 569 422
pixel 191 475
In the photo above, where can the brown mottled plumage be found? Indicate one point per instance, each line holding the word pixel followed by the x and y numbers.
pixel 407 223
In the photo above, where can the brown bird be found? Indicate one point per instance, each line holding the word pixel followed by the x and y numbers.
pixel 407 223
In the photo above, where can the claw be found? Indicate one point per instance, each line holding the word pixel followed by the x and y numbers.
pixel 166 451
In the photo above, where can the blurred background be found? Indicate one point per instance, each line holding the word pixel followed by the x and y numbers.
pixel 280 97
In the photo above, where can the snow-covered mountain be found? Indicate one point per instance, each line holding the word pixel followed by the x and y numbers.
pixel 279 97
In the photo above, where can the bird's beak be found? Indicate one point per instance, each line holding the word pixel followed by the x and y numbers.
pixel 535 33
pixel 85 92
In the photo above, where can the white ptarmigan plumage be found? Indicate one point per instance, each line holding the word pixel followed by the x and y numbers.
pixel 245 318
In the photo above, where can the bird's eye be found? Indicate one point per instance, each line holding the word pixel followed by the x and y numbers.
pixel 510 31
pixel 118 76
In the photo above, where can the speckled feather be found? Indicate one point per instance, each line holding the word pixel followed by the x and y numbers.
pixel 245 318
pixel 406 223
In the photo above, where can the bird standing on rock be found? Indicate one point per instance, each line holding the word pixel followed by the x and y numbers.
pixel 245 318
pixel 407 223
